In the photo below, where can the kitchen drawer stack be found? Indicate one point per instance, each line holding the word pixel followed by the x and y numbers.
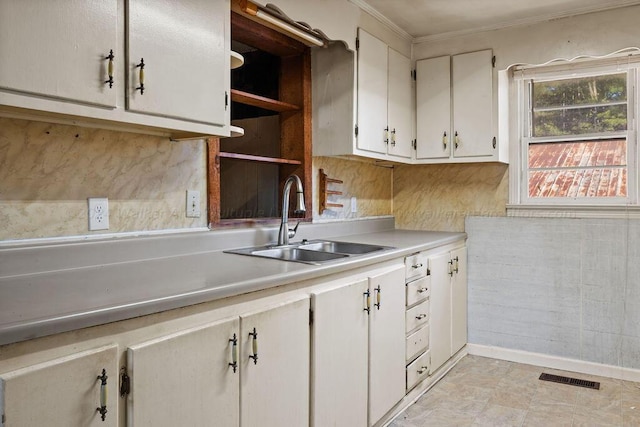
pixel 418 291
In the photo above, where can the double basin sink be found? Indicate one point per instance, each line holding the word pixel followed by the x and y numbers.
pixel 311 251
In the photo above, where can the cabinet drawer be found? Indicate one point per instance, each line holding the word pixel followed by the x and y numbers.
pixel 415 266
pixel 418 370
pixel 417 342
pixel 418 290
pixel 418 315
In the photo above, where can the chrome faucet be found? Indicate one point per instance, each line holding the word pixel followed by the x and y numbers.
pixel 285 233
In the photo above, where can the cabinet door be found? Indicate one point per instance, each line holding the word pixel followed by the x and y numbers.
pixel 185 52
pixel 386 342
pixel 473 104
pixel 63 392
pixel 440 310
pixel 459 300
pixel 185 378
pixel 339 348
pixel 274 385
pixel 400 133
pixel 373 131
pixel 57 48
pixel 433 108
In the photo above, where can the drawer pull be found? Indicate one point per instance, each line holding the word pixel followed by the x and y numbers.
pixel 110 68
pixel 377 303
pixel 421 316
pixel 422 290
pixel 422 370
pixel 367 301
pixel 141 76
pixel 416 265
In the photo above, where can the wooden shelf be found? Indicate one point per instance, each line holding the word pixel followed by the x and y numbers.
pixel 261 101
pixel 253 158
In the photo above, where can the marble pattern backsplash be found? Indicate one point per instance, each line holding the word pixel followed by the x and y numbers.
pixel 47 172
pixel 439 197
pixel 369 183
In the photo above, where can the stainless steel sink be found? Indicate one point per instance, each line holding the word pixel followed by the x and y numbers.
pixel 341 247
pixel 311 252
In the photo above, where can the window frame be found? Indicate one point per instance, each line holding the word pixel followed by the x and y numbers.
pixel 522 77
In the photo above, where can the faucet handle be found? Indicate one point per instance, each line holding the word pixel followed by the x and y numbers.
pixel 292 231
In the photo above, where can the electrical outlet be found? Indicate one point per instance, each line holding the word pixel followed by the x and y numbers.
pixel 98 213
pixel 193 204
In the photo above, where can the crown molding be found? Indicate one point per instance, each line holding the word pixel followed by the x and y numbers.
pixel 383 19
pixel 523 22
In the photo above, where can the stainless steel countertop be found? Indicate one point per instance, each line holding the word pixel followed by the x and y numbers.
pixel 48 302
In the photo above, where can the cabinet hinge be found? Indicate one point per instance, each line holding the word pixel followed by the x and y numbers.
pixel 226 100
pixel 356 130
pixel 310 317
pixel 493 61
pixel 125 382
pixel 414 144
pixel 428 272
pixel 413 74
pixel 357 43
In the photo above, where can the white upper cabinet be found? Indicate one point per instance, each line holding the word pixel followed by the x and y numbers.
pixel 455 117
pixel 399 104
pixel 182 45
pixel 58 49
pixel 73 61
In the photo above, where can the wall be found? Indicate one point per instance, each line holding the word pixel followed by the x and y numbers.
pixel 369 183
pixel 47 172
pixel 592 34
pixel 558 286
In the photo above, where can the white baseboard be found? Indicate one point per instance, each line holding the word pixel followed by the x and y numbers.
pixel 555 362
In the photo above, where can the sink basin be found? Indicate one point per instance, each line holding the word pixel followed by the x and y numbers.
pixel 341 247
pixel 297 254
pixel 311 252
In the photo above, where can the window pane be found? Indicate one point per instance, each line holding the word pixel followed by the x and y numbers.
pixel 580 121
pixel 581 91
pixel 578 183
pixel 578 153
pixel 580 106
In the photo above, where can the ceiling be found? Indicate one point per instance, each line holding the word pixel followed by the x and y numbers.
pixel 429 18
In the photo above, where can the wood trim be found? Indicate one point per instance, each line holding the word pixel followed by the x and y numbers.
pixel 253 158
pixel 213 181
pixel 254 32
pixel 261 101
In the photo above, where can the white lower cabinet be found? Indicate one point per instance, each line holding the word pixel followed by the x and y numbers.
pixel 458 299
pixel 186 378
pixel 358 358
pixel 249 370
pixel 67 391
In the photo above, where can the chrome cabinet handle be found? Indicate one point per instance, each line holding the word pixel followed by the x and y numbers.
pixel 102 409
pixel 110 68
pixel 254 356
pixel 234 353
pixel 141 76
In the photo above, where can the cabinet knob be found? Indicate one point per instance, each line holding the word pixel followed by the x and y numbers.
pixel 141 76
pixel 102 409
pixel 110 57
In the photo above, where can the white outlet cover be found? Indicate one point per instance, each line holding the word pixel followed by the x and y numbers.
pixel 98 213
pixel 193 204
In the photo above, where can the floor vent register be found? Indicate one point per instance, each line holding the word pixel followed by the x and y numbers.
pixel 570 381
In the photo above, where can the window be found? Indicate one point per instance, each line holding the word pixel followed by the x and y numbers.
pixel 577 136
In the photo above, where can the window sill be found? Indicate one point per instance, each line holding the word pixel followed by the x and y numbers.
pixel 568 211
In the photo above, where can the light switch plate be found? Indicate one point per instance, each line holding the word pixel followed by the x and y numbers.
pixel 98 213
pixel 193 204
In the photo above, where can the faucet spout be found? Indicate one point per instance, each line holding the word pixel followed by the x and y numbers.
pixel 285 233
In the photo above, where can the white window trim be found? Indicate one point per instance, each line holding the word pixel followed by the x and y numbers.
pixel 512 90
